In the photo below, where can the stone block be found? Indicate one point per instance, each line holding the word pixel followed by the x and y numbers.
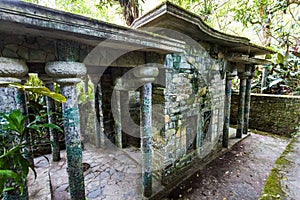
pixel 9 53
pixel 23 53
pixel 37 55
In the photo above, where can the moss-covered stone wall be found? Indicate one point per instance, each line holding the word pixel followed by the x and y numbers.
pixel 276 114
pixel 193 111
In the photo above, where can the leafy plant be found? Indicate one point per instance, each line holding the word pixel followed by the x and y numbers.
pixel 14 131
pixel 283 76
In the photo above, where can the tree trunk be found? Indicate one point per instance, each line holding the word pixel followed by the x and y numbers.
pixel 267 35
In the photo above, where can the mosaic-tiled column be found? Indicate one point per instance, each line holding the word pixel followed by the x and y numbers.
pixel 147 138
pixel 118 119
pixel 241 108
pixel 228 90
pixel 100 115
pixel 67 74
pixel 11 71
pixel 250 73
pixel 55 149
pixel 146 75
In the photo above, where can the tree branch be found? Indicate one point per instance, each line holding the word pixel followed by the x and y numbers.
pixel 293 16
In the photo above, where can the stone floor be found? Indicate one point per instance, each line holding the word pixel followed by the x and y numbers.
pixel 111 173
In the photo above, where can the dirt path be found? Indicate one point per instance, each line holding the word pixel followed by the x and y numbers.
pixel 238 175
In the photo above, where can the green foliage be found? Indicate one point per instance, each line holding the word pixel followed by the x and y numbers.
pixel 13 143
pixel 101 10
pixel 85 94
pixel 283 76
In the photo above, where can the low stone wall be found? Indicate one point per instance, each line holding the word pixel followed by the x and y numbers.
pixel 278 114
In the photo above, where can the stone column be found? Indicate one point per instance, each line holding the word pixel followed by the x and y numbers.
pixel 95 79
pixel 146 75
pixel 100 133
pixel 118 118
pixel 241 108
pixel 55 149
pixel 121 103
pixel 11 71
pixel 146 138
pixel 125 115
pixel 250 72
pixel 67 74
pixel 229 77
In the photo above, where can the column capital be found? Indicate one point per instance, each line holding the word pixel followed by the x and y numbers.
pixel 244 75
pixel 231 75
pixel 12 70
pixel 146 74
pixel 66 72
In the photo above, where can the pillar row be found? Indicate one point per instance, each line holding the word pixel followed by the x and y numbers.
pixel 11 71
pixel 68 74
pixel 241 106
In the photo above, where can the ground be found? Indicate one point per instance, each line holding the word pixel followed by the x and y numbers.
pixel 239 174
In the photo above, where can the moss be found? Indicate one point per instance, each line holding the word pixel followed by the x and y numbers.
pixel 273 188
pixel 268 134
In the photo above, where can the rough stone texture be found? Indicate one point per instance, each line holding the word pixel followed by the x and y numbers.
pixel 271 113
pixel 193 111
pixel 66 72
pixel 33 48
pixel 12 69
pixel 111 174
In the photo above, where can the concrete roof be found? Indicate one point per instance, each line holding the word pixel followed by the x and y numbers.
pixel 170 16
pixel 18 17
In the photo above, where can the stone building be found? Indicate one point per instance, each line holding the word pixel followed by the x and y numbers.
pixel 163 85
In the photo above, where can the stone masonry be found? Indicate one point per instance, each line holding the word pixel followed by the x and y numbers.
pixel 271 113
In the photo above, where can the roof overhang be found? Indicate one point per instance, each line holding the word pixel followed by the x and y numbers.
pixel 18 17
pixel 247 60
pixel 170 16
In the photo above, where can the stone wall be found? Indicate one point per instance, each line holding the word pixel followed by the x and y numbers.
pixel 276 114
pixel 35 49
pixel 193 111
